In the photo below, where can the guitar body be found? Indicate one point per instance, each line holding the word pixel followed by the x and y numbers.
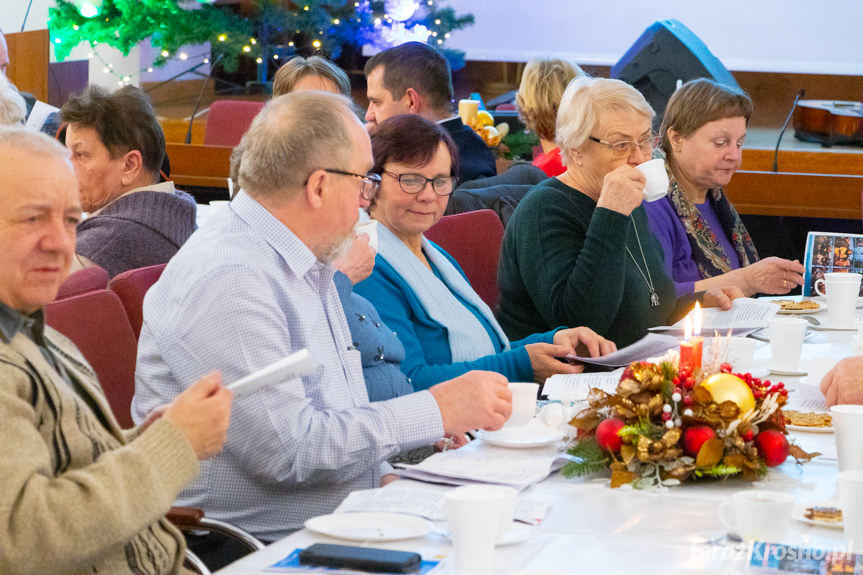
pixel 829 122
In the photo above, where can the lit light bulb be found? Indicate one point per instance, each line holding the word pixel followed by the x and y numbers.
pixel 337 22
pixel 316 43
pixel 183 56
pixel 247 49
pixel 165 53
pixel 222 38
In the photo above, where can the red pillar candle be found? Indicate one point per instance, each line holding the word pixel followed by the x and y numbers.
pixel 690 353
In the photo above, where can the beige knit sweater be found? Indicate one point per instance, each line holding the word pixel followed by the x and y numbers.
pixel 77 494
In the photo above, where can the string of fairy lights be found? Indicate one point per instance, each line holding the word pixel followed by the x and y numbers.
pixel 273 31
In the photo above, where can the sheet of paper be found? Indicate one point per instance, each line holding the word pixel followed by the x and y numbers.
pixel 298 364
pixel 427 503
pixel 806 398
pixel 572 387
pixel 745 314
pixel 39 115
pixel 481 463
pixel 651 345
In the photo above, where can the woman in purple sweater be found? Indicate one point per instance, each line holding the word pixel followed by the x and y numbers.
pixel 705 243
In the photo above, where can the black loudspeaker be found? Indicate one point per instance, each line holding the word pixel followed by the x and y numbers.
pixel 666 52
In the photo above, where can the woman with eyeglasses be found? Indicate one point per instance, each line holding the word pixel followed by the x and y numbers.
pixel 704 240
pixel 578 249
pixel 421 292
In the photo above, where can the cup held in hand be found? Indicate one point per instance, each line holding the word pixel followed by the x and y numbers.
pixel 657 179
pixel 523 403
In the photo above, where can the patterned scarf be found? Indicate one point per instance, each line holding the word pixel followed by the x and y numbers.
pixel 707 252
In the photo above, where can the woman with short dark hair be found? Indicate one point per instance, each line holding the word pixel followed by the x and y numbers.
pixel 704 241
pixel 421 292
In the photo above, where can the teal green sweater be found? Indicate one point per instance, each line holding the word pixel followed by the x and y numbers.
pixel 563 262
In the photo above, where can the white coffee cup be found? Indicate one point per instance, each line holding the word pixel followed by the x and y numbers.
pixel 851 503
pixel 657 179
pixel 523 403
pixel 758 514
pixel 477 515
pixel 786 342
pixel 740 353
pixel 369 227
pixel 848 429
pixel 842 292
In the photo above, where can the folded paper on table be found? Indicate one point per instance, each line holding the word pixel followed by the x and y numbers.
pixel 745 314
pixel 291 564
pixel 427 503
pixel 480 463
pixel 651 345
pixel 295 365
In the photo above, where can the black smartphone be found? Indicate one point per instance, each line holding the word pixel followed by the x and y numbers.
pixel 361 558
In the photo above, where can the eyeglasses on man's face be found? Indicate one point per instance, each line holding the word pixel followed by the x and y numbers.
pixel 415 183
pixel 627 147
pixel 370 186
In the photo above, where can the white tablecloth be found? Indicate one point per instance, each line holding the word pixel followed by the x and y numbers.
pixel 591 528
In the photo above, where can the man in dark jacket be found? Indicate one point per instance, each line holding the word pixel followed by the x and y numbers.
pixel 414 78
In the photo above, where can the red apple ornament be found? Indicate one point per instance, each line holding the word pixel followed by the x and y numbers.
pixel 606 434
pixel 772 446
pixel 694 438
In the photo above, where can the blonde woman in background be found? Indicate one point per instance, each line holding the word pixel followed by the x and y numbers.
pixel 542 85
pixel 314 73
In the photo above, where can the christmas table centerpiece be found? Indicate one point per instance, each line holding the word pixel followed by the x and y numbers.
pixel 669 422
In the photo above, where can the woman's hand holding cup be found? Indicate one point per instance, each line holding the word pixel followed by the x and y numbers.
pixel 622 190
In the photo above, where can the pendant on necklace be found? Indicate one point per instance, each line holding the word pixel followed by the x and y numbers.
pixel 654 299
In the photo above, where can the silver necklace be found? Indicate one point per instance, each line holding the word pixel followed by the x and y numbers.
pixel 654 298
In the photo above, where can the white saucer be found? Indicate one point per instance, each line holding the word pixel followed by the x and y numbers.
pixel 821 298
pixel 534 434
pixel 517 533
pixel 372 526
pixel 799 513
pixel 788 373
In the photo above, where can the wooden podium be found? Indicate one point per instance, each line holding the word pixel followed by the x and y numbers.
pixel 29 58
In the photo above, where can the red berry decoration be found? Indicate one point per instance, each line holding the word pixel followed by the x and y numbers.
pixel 772 446
pixel 606 434
pixel 747 435
pixel 694 438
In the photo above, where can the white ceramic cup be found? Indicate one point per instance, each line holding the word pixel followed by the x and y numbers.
pixel 848 429
pixel 786 342
pixel 657 179
pixel 476 515
pixel 371 228
pixel 842 291
pixel 758 514
pixel 851 503
pixel 740 353
pixel 523 403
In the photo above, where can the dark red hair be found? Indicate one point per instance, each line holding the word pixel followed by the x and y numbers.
pixel 412 140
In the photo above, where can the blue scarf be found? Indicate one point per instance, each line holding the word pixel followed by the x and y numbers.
pixel 468 338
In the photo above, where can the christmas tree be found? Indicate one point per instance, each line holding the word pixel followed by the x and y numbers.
pixel 267 30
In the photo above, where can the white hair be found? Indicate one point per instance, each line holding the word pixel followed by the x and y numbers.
pixel 13 109
pixel 24 140
pixel 584 103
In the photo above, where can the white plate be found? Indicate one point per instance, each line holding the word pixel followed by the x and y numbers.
pixel 802 311
pixel 534 434
pixel 372 526
pixel 799 513
pixel 808 428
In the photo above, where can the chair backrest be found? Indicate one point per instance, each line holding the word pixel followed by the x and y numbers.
pixel 83 281
pixel 228 120
pixel 96 322
pixel 473 239
pixel 131 286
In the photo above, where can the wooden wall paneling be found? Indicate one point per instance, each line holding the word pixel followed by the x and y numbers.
pixel 29 55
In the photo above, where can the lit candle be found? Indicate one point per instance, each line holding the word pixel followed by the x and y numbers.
pixel 692 346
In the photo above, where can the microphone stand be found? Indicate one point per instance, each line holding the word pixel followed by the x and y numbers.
pixel 784 126
pixel 198 101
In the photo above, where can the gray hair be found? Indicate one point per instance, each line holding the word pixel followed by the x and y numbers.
pixel 584 103
pixel 13 109
pixel 29 141
pixel 291 137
